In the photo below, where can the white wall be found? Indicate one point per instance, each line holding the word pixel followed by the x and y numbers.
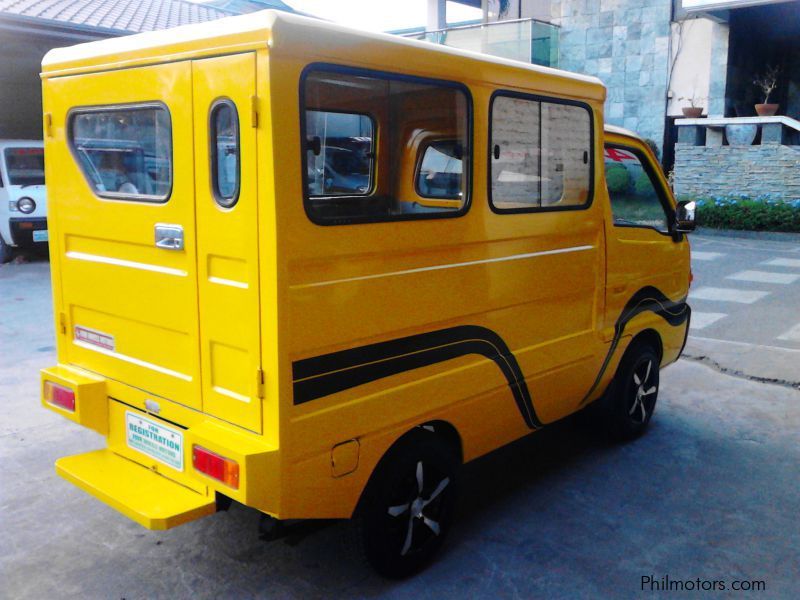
pixel 690 63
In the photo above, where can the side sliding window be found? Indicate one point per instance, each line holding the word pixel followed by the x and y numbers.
pixel 540 154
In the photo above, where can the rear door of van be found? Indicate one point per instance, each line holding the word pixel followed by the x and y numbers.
pixel 124 225
pixel 224 90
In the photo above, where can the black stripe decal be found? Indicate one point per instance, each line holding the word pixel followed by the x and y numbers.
pixel 321 376
pixel 330 373
pixel 646 299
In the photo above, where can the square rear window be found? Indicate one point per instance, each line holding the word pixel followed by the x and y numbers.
pixel 125 152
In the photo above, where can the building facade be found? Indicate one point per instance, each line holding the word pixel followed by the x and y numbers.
pixel 658 57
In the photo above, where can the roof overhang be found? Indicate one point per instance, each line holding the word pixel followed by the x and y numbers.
pixel 716 8
pixel 53 29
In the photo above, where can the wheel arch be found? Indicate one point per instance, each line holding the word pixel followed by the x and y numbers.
pixel 651 337
pixel 445 430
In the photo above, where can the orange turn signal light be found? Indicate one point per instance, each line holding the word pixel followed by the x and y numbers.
pixel 216 466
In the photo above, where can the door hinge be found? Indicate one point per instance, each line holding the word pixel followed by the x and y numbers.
pixel 254 111
pixel 62 323
pixel 260 383
pixel 48 125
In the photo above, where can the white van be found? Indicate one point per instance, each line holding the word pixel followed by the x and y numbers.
pixel 23 198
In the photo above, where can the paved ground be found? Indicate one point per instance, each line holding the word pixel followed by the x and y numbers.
pixel 746 306
pixel 711 492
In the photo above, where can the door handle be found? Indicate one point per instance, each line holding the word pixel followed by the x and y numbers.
pixel 169 237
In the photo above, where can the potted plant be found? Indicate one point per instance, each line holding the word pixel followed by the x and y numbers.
pixel 695 108
pixel 767 83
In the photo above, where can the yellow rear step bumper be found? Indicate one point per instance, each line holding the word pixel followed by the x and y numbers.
pixel 148 498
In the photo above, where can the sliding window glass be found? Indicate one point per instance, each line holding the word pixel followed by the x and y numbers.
pixel 540 154
pixel 363 132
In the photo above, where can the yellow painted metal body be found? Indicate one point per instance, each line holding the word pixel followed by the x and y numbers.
pixel 146 497
pixel 205 339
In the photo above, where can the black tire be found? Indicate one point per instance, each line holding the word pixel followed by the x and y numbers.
pixel 408 505
pixel 631 398
pixel 5 251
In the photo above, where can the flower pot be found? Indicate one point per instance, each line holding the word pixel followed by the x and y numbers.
pixel 766 110
pixel 692 112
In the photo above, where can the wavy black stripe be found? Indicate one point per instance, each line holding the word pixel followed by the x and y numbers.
pixel 646 299
pixel 321 376
pixel 330 373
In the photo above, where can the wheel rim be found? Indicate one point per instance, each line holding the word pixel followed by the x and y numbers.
pixel 417 519
pixel 644 388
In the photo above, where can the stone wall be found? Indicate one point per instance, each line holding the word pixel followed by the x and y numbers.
pixel 707 171
pixel 626 44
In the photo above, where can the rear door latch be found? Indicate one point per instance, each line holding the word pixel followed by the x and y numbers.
pixel 169 237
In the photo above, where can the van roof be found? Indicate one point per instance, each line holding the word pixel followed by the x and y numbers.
pixel 291 34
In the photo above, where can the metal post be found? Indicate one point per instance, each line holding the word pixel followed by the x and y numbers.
pixel 437 15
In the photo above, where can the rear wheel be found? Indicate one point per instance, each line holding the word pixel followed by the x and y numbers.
pixel 409 504
pixel 631 398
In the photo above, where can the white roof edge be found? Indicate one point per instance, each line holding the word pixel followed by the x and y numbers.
pixel 267 20
pixel 614 129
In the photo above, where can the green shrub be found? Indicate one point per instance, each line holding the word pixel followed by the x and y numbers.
pixel 748 214
pixel 653 147
pixel 618 179
pixel 643 185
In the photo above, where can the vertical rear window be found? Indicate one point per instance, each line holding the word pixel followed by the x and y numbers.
pixel 540 154
pixel 124 152
pixel 225 161
pixel 363 132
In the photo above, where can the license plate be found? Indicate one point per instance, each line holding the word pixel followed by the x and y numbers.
pixel 165 444
pixel 40 236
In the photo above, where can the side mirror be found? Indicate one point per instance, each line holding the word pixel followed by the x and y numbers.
pixel 685 216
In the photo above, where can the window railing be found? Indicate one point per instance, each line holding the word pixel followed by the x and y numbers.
pixel 526 40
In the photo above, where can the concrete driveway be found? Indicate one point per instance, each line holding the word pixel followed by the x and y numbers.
pixel 710 494
pixel 746 306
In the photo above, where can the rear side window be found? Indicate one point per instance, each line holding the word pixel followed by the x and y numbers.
pixel 225 161
pixel 540 154
pixel 361 132
pixel 124 152
pixel 25 166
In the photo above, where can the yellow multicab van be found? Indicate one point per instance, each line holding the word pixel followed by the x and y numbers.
pixel 315 270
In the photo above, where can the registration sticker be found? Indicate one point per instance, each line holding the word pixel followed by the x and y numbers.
pixel 165 444
pixel 40 235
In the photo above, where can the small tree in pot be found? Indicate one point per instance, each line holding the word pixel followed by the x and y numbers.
pixel 767 83
pixel 695 108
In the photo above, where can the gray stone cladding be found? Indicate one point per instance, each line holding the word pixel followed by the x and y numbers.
pixel 710 171
pixel 626 44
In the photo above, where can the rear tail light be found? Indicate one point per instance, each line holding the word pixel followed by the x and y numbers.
pixel 59 396
pixel 216 466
